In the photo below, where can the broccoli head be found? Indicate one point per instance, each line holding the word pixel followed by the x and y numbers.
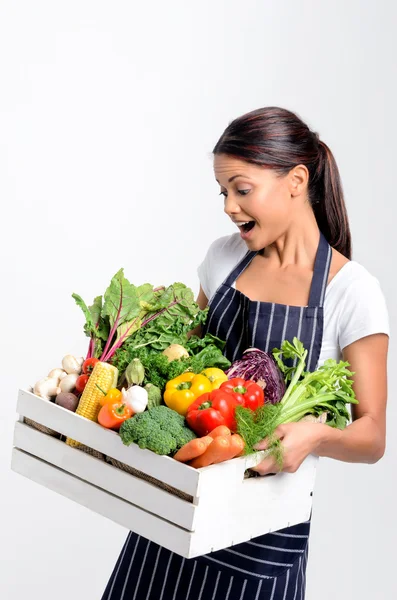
pixel 159 429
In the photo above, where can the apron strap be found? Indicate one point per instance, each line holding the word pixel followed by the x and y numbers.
pixel 244 262
pixel 320 274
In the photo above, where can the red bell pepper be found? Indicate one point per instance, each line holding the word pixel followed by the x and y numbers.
pixel 113 415
pixel 211 410
pixel 249 393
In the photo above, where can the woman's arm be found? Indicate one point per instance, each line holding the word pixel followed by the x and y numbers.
pixel 202 301
pixel 363 440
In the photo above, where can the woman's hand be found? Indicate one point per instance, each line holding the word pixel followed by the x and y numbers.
pixel 298 441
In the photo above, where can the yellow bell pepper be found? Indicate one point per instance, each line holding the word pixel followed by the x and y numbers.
pixel 182 391
pixel 216 377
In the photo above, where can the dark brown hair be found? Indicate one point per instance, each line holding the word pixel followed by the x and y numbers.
pixel 278 139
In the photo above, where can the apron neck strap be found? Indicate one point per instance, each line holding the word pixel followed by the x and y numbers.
pixel 320 274
pixel 239 268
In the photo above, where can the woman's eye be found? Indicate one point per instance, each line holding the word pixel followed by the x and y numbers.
pixel 241 192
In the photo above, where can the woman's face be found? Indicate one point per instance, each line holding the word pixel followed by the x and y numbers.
pixel 258 200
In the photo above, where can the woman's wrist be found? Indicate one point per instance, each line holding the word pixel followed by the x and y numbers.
pixel 326 437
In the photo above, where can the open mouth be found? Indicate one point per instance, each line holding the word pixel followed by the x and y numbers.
pixel 247 226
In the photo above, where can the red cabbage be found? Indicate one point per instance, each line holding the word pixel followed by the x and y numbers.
pixel 260 367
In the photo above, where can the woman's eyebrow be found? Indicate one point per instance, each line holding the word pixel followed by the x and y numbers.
pixel 234 177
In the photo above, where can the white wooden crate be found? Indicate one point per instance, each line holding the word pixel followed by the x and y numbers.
pixel 217 507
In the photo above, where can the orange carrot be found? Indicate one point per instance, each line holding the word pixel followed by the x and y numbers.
pixel 193 449
pixel 237 442
pixel 220 430
pixel 214 453
pixel 224 447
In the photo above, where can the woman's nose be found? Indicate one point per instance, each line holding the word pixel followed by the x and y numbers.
pixel 231 206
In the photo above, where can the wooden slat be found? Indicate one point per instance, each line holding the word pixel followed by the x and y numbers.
pixel 91 434
pixel 105 476
pixel 125 514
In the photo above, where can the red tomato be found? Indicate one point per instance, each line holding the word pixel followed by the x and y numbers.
pixel 81 383
pixel 89 364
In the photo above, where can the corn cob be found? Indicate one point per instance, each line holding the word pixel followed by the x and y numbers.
pixel 103 377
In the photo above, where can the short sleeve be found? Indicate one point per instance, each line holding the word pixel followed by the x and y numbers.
pixel 222 256
pixel 363 310
pixel 203 271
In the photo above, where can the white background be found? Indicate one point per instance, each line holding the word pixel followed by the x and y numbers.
pixel 108 115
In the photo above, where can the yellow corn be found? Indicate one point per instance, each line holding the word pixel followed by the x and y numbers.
pixel 103 377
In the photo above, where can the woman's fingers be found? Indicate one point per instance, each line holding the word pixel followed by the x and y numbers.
pixel 267 466
pixel 262 445
pixel 278 434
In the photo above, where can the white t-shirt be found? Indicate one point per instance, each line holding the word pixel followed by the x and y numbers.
pixel 354 305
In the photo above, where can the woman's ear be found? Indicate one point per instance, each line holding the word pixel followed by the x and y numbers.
pixel 298 180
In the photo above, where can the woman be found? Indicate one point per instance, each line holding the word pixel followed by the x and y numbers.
pixel 287 272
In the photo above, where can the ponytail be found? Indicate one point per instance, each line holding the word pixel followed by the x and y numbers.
pixel 276 138
pixel 329 204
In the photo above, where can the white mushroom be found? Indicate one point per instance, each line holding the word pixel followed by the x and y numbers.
pixel 57 374
pixel 68 383
pixel 71 364
pixel 47 388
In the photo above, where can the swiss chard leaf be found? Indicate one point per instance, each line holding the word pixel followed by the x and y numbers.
pixel 122 307
pixel 89 327
pixel 121 302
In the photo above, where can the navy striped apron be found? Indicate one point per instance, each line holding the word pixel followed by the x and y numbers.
pixel 271 566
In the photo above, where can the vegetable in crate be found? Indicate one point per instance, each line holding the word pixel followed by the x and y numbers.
pixel 67 400
pixel 88 365
pixel 131 317
pixel 113 395
pixel 260 367
pixel 249 393
pixel 71 364
pixel 47 388
pixel 221 449
pixel 211 410
pixel 81 382
pixel 102 379
pixel 182 391
pixel 329 388
pixel 216 376
pixel 154 395
pixel 136 397
pixel 198 446
pixel 135 372
pixel 159 370
pixel 175 352
pixel 59 380
pixel 68 383
pixel 113 415
pixel 193 449
pixel 159 429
